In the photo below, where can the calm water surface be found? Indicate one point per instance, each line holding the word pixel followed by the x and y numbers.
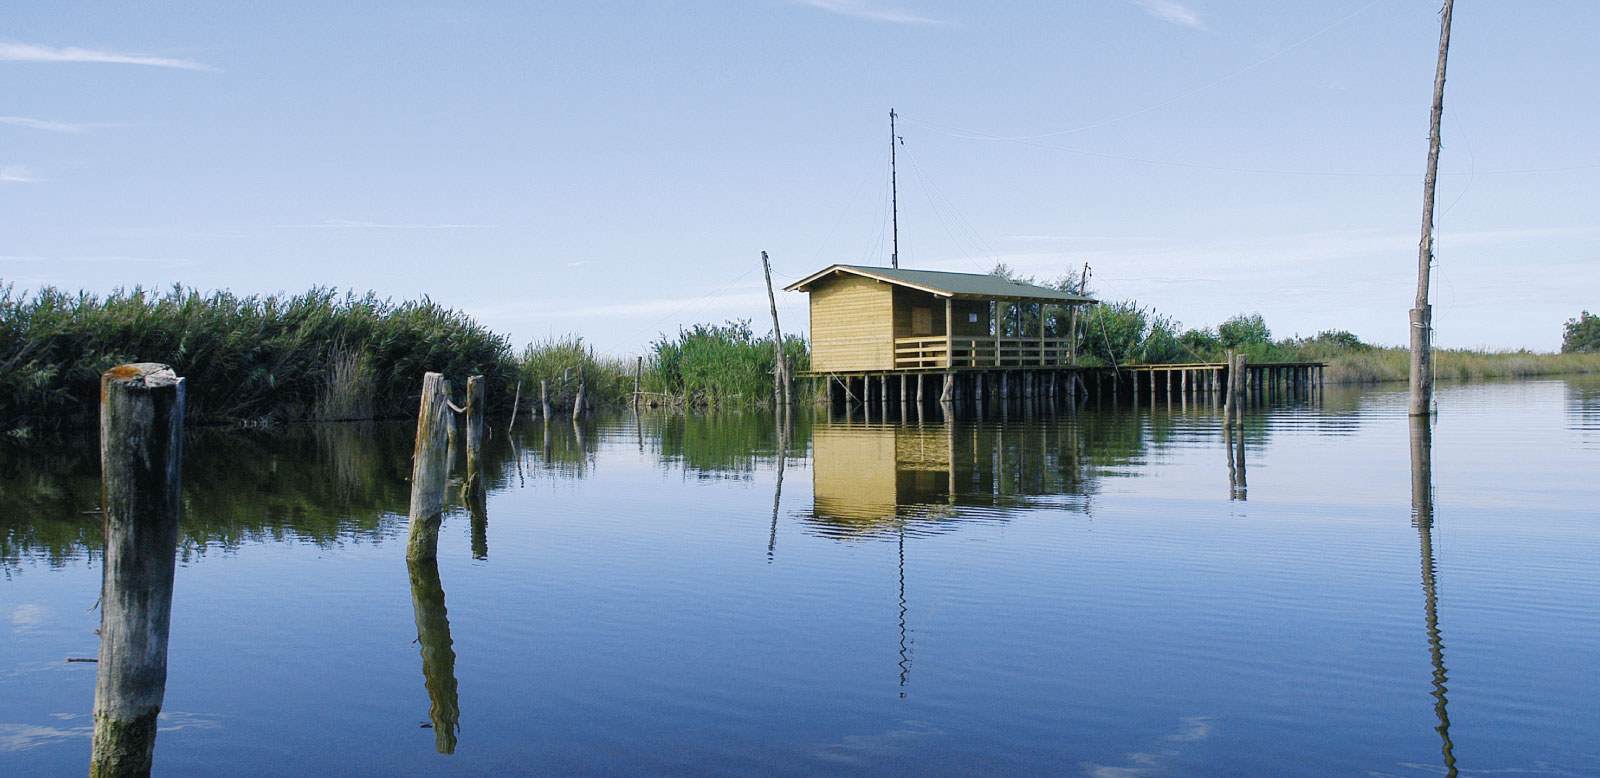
pixel 1103 593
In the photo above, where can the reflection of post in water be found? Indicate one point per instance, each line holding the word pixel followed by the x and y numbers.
pixel 141 441
pixel 478 509
pixel 1236 465
pixel 438 657
pixel 1422 519
pixel 582 442
pixel 780 420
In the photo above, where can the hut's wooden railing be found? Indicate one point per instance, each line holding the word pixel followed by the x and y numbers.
pixel 912 353
pixel 986 351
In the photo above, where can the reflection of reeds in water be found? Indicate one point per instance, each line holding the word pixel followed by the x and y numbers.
pixel 438 654
pixel 562 447
pixel 722 444
pixel 46 492
pixel 349 453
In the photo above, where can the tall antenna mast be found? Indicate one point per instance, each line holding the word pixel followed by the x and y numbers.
pixel 894 195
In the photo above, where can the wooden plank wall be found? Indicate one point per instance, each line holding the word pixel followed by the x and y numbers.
pixel 852 325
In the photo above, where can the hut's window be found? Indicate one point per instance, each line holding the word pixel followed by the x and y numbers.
pixel 921 321
pixel 972 317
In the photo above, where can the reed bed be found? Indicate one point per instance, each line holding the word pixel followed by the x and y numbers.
pixel 561 361
pixel 316 355
pixel 719 364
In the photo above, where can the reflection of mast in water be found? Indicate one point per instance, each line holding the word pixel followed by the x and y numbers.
pixel 438 656
pixel 1422 519
pixel 905 650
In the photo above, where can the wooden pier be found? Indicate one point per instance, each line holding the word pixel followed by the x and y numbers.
pixel 1059 384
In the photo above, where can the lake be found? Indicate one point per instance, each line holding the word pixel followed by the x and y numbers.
pixel 1101 592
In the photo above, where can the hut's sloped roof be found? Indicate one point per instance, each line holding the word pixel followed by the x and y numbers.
pixel 966 285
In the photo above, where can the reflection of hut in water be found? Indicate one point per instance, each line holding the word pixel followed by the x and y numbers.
pixel 870 478
pixel 863 474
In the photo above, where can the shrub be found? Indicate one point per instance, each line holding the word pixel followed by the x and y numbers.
pixel 1582 335
pixel 1242 330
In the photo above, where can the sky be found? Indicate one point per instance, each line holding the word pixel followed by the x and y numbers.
pixel 615 169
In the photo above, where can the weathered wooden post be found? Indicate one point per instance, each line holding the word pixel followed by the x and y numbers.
pixel 780 378
pixel 429 467
pixel 578 401
pixel 438 653
pixel 474 423
pixel 1231 395
pixel 638 373
pixel 1421 398
pixel 141 442
pixel 544 398
pixel 516 402
pixel 1244 378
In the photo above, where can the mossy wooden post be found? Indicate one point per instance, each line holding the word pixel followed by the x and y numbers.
pixel 544 398
pixel 429 467
pixel 141 437
pixel 474 423
pixel 438 653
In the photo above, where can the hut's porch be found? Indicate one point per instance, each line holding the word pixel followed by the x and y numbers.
pixel 986 351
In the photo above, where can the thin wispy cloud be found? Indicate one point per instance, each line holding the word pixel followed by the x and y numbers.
pixel 28 52
pixel 17 174
pixel 1172 13
pixel 866 9
pixel 44 124
pixel 352 224
pixel 106 259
